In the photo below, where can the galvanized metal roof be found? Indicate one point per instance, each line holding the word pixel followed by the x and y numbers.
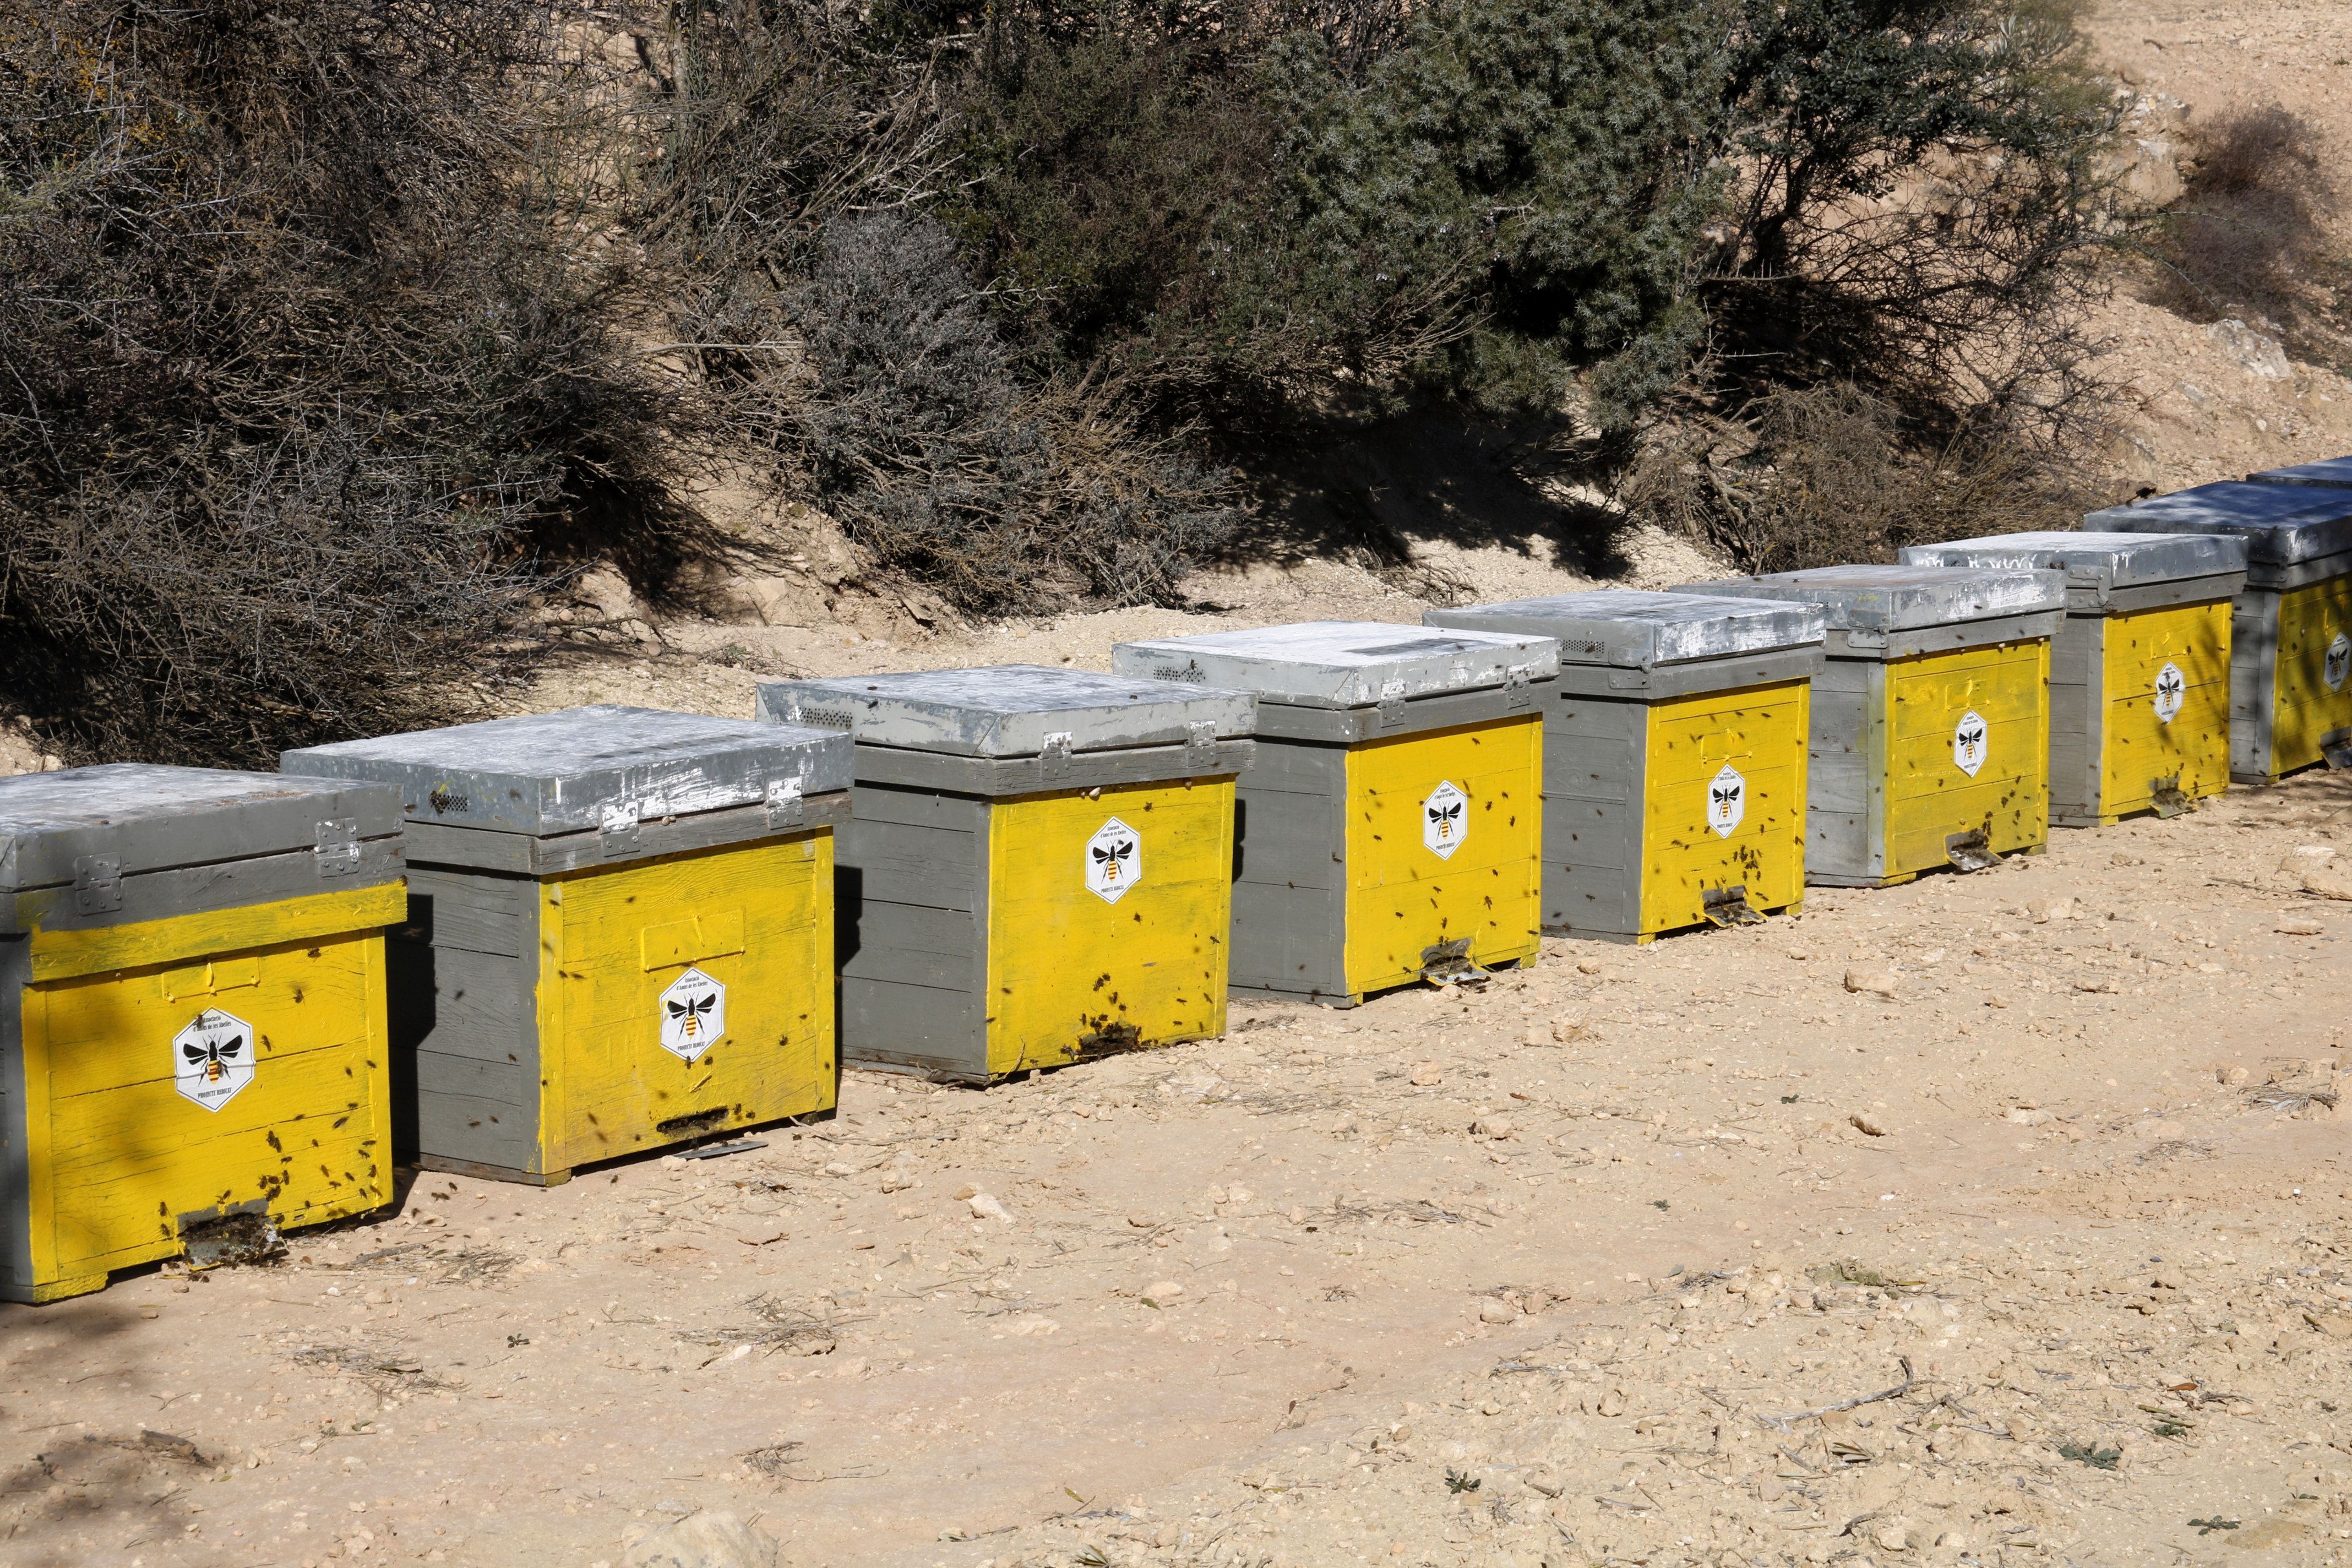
pixel 148 818
pixel 1902 598
pixel 2333 472
pixel 1008 710
pixel 2282 524
pixel 2102 561
pixel 544 773
pixel 1631 628
pixel 1341 664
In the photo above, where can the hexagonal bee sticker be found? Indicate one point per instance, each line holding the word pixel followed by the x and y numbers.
pixel 693 1014
pixel 1114 860
pixel 212 1058
pixel 1445 820
pixel 1968 738
pixel 2171 687
pixel 1727 800
pixel 2339 662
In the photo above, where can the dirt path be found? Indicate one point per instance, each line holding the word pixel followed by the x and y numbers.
pixel 1256 1301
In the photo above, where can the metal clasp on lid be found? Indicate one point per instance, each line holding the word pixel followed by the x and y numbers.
pixel 787 807
pixel 1518 693
pixel 98 884
pixel 1201 743
pixel 616 833
pixel 1391 708
pixel 338 847
pixel 1054 755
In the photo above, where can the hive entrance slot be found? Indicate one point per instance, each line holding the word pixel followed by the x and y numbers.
pixel 1449 964
pixel 1730 907
pixel 698 1121
pixel 2337 749
pixel 243 1235
pixel 2169 798
pixel 1970 851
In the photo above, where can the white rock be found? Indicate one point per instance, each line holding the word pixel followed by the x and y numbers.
pixel 985 1207
pixel 2259 356
pixel 712 1538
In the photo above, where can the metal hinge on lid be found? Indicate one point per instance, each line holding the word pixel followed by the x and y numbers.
pixel 98 884
pixel 1392 704
pixel 338 847
pixel 616 831
pixel 1730 907
pixel 1971 851
pixel 1054 755
pixel 787 807
pixel 1201 743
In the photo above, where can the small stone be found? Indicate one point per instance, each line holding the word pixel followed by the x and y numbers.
pixel 2029 1116
pixel 2298 925
pixel 985 1207
pixel 151 1311
pixel 1875 981
pixel 1497 1127
pixel 966 1193
pixel 2327 882
pixel 2041 912
pixel 1496 1312
pixel 1588 966
pixel 2231 1077
pixel 1611 1403
pixel 710 1538
pixel 672 1163
pixel 1567 1031
pixel 1891 1538
pixel 2335 1325
pixel 1140 1221
pixel 1543 1478
pixel 1867 1126
pixel 840 1169
pixel 1163 1290
pixel 1427 1074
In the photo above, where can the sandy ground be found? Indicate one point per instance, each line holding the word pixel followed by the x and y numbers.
pixel 1550 1274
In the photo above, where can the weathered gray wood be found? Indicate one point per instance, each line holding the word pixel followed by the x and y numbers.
pixel 1688 679
pixel 148 819
pixel 1007 710
pixel 1289 941
pixel 1845 805
pixel 1290 887
pixel 2253 685
pixel 471 910
pixel 2284 527
pixel 484 850
pixel 997 777
pixel 1639 630
pixel 2077 719
pixel 16 1281
pixel 1419 715
pixel 1340 664
pixel 462 983
pixel 201 890
pixel 910 931
pixel 939 1030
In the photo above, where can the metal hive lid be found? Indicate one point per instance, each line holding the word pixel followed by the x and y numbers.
pixel 1007 709
pixel 1902 598
pixel 2282 524
pixel 1340 664
pixel 2103 560
pixel 543 773
pixel 1633 628
pixel 2332 472
pixel 148 818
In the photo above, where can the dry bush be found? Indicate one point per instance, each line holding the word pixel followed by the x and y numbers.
pixel 302 372
pixel 2248 236
pixel 1822 477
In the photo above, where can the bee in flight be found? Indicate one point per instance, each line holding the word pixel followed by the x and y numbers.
pixel 1112 857
pixel 689 1015
pixel 1443 816
pixel 217 1053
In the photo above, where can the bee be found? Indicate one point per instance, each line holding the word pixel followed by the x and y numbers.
pixel 1726 797
pixel 1112 857
pixel 689 1015
pixel 1443 816
pixel 218 1054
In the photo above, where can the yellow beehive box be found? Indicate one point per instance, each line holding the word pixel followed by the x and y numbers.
pixel 1930 716
pixel 2139 671
pixel 619 935
pixel 2291 627
pixel 1039 867
pixel 1675 756
pixel 192 1014
pixel 1388 824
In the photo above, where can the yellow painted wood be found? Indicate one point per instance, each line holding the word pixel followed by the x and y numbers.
pixel 1929 798
pixel 2304 711
pixel 2136 748
pixel 1401 898
pixel 116 1155
pixel 1760 731
pixel 756 918
pixel 1069 973
pixel 58 955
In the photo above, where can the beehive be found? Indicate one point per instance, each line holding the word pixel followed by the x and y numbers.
pixel 2329 473
pixel 1040 865
pixel 1387 830
pixel 2291 629
pixel 619 934
pixel 1675 756
pixel 192 1014
pixel 1930 716
pixel 2139 671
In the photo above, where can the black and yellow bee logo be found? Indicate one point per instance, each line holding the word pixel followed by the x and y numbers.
pixel 692 1015
pixel 216 1054
pixel 1445 819
pixel 1110 859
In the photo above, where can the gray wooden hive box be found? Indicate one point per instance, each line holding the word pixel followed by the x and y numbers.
pixel 192 1014
pixel 2333 473
pixel 1675 756
pixel 1930 716
pixel 1039 868
pixel 2290 632
pixel 1360 725
pixel 619 934
pixel 2139 671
